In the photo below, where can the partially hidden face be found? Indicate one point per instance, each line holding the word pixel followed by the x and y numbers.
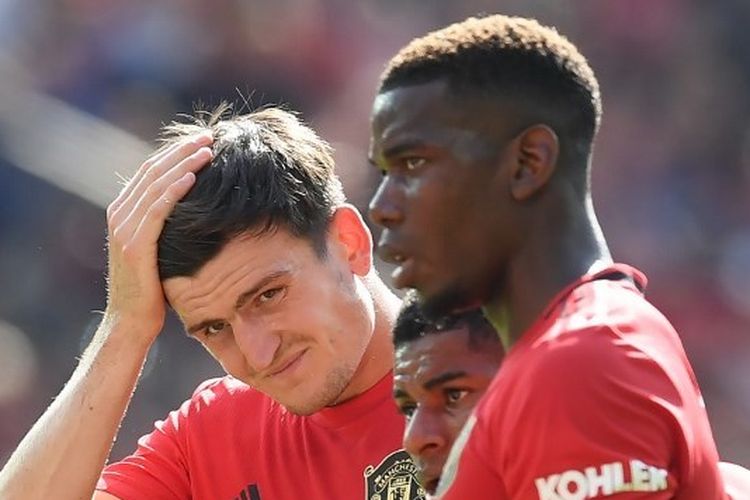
pixel 279 317
pixel 442 202
pixel 438 379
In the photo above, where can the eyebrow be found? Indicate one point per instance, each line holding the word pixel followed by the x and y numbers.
pixel 241 300
pixel 432 383
pixel 401 147
pixel 443 378
pixel 398 149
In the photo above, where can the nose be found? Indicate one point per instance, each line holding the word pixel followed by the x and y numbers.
pixel 425 434
pixel 257 343
pixel 385 207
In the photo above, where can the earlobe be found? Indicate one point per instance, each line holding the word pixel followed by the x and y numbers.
pixel 538 151
pixel 354 238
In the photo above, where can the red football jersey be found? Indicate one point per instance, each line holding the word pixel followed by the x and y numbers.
pixel 231 442
pixel 596 399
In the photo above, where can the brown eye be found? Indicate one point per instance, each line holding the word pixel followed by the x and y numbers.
pixel 414 163
pixel 453 396
pixel 269 295
pixel 214 328
pixel 407 409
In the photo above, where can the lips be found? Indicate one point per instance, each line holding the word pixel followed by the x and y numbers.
pixel 286 364
pixel 402 275
pixel 391 253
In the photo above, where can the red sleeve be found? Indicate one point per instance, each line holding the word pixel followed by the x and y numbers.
pixel 588 414
pixel 158 467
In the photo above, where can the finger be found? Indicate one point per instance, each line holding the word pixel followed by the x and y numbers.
pixel 131 183
pixel 151 225
pixel 155 166
pixel 191 164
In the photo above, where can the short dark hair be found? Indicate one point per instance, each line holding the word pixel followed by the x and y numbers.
pixel 269 171
pixel 413 324
pixel 511 58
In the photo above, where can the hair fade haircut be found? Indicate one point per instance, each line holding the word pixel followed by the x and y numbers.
pixel 269 171
pixel 413 324
pixel 515 59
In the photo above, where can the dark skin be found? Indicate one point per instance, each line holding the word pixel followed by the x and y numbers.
pixel 477 206
pixel 438 379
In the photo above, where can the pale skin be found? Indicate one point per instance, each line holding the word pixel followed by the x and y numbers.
pixel 64 453
pixel 269 301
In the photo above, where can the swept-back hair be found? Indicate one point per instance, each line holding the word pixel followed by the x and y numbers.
pixel 269 171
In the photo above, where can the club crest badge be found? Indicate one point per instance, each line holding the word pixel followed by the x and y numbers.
pixel 395 478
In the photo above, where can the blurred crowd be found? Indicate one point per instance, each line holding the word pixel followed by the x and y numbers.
pixel 671 177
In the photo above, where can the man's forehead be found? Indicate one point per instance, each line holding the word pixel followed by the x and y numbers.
pixel 436 348
pixel 243 263
pixel 430 113
pixel 403 104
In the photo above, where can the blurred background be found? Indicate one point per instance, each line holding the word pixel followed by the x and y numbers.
pixel 85 86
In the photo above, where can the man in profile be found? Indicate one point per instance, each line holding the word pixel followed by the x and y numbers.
pixel 484 131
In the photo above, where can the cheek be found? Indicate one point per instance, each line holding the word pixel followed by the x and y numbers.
pixel 228 355
pixel 448 215
pixel 457 421
pixel 466 407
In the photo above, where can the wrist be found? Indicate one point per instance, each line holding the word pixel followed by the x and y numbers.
pixel 131 331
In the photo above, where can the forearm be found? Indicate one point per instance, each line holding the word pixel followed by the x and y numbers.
pixel 64 453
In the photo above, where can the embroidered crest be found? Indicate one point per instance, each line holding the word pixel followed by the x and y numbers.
pixel 395 478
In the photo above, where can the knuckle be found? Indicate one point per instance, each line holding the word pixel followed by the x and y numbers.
pixel 115 236
pixel 153 190
pixel 129 252
pixel 148 164
pixel 152 173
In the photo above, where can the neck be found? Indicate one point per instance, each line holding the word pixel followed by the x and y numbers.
pixel 377 360
pixel 558 250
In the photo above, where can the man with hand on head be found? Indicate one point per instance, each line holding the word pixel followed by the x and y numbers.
pixel 442 368
pixel 484 132
pixel 241 226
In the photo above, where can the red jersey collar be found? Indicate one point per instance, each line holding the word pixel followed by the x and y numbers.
pixel 356 407
pixel 611 272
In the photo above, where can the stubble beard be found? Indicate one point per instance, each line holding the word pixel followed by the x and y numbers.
pixel 335 384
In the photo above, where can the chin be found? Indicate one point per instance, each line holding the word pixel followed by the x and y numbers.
pixel 302 410
pixel 448 301
pixel 315 399
pixel 303 406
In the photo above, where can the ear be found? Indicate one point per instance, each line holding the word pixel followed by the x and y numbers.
pixel 538 150
pixel 349 230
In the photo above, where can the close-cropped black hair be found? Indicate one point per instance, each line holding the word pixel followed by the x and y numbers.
pixel 269 171
pixel 413 324
pixel 513 59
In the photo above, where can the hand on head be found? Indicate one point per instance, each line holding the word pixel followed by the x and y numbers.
pixel 134 222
